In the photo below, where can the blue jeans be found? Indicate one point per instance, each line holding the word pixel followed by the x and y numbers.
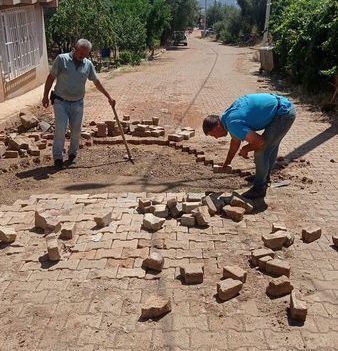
pixel 67 112
pixel 273 134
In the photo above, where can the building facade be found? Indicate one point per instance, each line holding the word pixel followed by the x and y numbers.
pixel 23 50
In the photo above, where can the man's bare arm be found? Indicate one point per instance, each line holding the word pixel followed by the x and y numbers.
pixel 234 146
pixel 255 143
pixel 101 88
pixel 48 85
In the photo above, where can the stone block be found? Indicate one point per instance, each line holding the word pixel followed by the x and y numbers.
pixel 29 121
pixel 290 239
pixel 175 137
pixel 176 210
pixel 11 154
pixel 277 227
pixel 104 218
pixel 259 253
pixel 2 149
pixel 200 158
pixel 335 240
pixel 275 241
pixel 102 130
pixel 221 169
pixel 228 288
pixel 235 273
pixel 279 287
pixel 53 250
pixel 311 234
pixel 262 262
pixel 19 142
pixel 155 307
pixel 211 204
pixel 194 197
pixel 46 221
pixel 202 216
pixel 188 220
pixel 192 273
pixel 155 262
pixel 152 223
pixel 68 231
pixel 34 151
pixel 143 203
pixel 7 234
pixel 234 213
pixel 188 207
pixel 239 201
pixel 277 267
pixel 298 308
pixel 186 134
pixel 161 211
pixel 156 121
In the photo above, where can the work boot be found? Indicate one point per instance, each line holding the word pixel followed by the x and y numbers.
pixel 251 179
pixel 71 159
pixel 255 193
pixel 58 164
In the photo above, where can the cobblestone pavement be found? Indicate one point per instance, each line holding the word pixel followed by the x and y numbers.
pixel 91 300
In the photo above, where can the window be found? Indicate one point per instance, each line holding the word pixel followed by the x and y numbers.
pixel 19 47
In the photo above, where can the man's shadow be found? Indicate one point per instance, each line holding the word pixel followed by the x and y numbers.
pixel 39 173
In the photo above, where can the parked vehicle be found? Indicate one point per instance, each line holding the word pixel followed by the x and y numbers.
pixel 180 38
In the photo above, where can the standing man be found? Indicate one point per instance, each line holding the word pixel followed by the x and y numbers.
pixel 250 113
pixel 71 72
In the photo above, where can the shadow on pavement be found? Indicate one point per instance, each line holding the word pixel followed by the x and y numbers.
pixel 86 186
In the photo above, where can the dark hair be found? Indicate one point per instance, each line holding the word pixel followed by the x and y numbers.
pixel 210 123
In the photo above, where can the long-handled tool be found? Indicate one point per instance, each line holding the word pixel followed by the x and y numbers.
pixel 130 157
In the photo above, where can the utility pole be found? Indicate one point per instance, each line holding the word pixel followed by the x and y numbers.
pixel 267 19
pixel 205 18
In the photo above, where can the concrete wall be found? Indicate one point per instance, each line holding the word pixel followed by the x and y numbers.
pixel 34 77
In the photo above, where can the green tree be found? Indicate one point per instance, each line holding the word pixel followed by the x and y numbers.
pixel 184 14
pixel 215 13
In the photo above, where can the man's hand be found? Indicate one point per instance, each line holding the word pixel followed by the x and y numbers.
pixel 45 101
pixel 112 102
pixel 244 152
pixel 227 167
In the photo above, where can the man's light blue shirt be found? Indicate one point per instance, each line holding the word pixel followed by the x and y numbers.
pixel 70 78
pixel 253 112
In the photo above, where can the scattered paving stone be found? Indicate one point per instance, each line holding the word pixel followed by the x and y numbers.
pixel 221 169
pixel 290 239
pixel 262 262
pixel 67 231
pixel 29 121
pixel 53 249
pixel 11 154
pixel 47 222
pixel 277 267
pixel 174 208
pixel 234 213
pixel 238 201
pixel 152 223
pixel 275 241
pixel 188 207
pixel 311 234
pixel 161 211
pixel 2 149
pixel 194 197
pixel 259 253
pixel 103 219
pixel 188 220
pixel 335 240
pixel 202 215
pixel 277 227
pixel 175 137
pixel 143 203
pixel 279 287
pixel 298 308
pixel 7 234
pixel 235 273
pixel 228 288
pixel 209 201
pixel 102 130
pixel 154 262
pixel 155 307
pixel 192 273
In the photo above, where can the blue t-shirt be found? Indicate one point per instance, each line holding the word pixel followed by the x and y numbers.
pixel 253 112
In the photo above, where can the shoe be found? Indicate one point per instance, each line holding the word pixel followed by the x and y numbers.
pixel 58 164
pixel 255 193
pixel 251 179
pixel 71 159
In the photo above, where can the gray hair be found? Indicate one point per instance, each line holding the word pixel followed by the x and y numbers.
pixel 83 43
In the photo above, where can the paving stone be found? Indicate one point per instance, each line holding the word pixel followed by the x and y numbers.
pixel 174 208
pixel 155 307
pixel 335 240
pixel 277 227
pixel 130 273
pixel 46 221
pixel 311 234
pixel 202 216
pixel 155 262
pixel 234 213
pixel 235 273
pixel 103 219
pixel 239 201
pixel 102 130
pixel 11 154
pixel 221 169
pixel 68 231
pixel 279 287
pixel 275 241
pixel 290 239
pixel 175 137
pixel 144 203
pixel 7 234
pixel 152 223
pixel 188 220
pixel 161 211
pixel 29 121
pixel 192 273
pixel 228 288
pixel 262 262
pixel 277 267
pixel 53 250
pixel 211 203
pixel 188 207
pixel 298 308
pixel 259 253
pixel 194 197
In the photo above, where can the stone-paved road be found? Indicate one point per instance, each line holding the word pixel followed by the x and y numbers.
pixel 91 300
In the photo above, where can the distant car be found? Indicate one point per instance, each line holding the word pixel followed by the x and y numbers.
pixel 180 38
